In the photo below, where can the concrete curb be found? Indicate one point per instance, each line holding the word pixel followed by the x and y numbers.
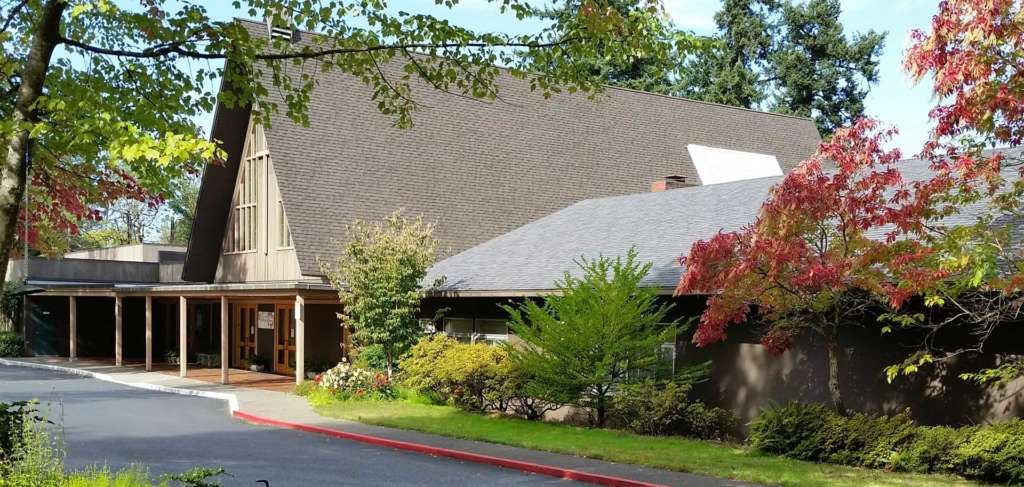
pixel 231 399
pixel 563 473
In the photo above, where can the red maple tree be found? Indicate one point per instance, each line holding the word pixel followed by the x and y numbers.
pixel 829 245
pixel 833 241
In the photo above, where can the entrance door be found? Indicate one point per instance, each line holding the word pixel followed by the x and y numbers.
pixel 245 332
pixel 284 341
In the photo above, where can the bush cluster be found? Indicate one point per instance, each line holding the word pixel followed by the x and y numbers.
pixel 652 409
pixel 993 453
pixel 346 381
pixel 475 377
pixel 11 344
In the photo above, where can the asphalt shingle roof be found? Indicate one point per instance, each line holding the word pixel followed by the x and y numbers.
pixel 478 169
pixel 663 226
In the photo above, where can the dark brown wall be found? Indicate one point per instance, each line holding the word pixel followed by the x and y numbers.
pixel 323 333
pixel 746 377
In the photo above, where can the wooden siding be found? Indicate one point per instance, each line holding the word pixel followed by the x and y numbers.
pixel 267 261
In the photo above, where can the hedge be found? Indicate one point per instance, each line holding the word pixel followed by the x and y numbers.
pixel 11 344
pixel 993 453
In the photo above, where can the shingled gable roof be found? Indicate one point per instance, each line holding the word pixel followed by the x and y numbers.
pixel 663 226
pixel 478 169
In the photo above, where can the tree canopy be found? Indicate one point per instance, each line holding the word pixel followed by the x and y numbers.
pixel 786 56
pixel 378 277
pixel 99 98
pixel 813 259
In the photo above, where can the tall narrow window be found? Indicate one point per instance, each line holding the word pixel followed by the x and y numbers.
pixel 284 235
pixel 243 234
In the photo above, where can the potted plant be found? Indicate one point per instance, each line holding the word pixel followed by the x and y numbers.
pixel 172 357
pixel 258 362
pixel 313 368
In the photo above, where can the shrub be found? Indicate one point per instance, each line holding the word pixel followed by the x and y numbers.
pixel 592 336
pixel 795 430
pixel 418 366
pixel 372 357
pixel 15 419
pixel 930 449
pixel 993 453
pixel 514 391
pixel 474 377
pixel 11 344
pixel 707 423
pixel 652 409
pixel 471 375
pixel 865 440
pixel 348 382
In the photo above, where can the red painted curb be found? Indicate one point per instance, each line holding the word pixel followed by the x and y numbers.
pixel 559 472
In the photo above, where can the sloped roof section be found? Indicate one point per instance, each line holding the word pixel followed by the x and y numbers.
pixel 663 226
pixel 480 169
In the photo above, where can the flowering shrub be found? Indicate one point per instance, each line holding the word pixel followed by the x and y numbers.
pixel 349 382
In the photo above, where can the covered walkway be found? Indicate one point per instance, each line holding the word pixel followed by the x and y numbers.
pixel 245 379
pixel 202 331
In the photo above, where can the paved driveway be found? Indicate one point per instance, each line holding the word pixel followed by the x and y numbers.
pixel 109 424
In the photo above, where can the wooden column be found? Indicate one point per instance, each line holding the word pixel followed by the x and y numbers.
pixel 118 330
pixel 300 339
pixel 183 335
pixel 149 333
pixel 72 328
pixel 224 340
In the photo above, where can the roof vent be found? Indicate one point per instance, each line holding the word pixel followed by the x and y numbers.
pixel 280 26
pixel 671 182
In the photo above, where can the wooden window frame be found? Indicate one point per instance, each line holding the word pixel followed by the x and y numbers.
pixel 284 233
pixel 243 232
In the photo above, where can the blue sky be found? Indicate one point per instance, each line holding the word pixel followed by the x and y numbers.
pixel 895 100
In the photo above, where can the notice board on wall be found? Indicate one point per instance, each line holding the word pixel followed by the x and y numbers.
pixel 265 320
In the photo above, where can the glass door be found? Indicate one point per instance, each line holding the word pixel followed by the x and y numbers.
pixel 284 341
pixel 245 333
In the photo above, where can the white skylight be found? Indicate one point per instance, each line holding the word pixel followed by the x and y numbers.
pixel 716 165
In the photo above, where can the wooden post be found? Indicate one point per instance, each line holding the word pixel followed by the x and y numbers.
pixel 183 335
pixel 149 333
pixel 72 328
pixel 118 330
pixel 224 340
pixel 300 339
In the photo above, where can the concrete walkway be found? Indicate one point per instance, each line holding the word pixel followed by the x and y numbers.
pixel 284 407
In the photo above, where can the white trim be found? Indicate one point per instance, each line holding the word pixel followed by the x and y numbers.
pixel 231 399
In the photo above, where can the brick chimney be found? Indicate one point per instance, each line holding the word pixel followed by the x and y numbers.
pixel 671 182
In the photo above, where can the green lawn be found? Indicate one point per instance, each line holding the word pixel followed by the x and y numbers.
pixel 699 457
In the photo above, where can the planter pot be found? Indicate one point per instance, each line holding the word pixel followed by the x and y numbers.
pixel 310 375
pixel 256 368
pixel 173 360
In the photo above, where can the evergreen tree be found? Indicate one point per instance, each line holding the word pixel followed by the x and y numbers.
pixel 789 57
pixel 580 345
pixel 655 70
pixel 728 71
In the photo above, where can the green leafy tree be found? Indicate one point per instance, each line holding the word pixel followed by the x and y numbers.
pixel 182 206
pixel 654 70
pixel 110 115
pixel 378 276
pixel 790 57
pixel 582 343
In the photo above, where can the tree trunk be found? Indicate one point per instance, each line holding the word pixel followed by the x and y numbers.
pixel 832 344
pixel 600 409
pixel 15 166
